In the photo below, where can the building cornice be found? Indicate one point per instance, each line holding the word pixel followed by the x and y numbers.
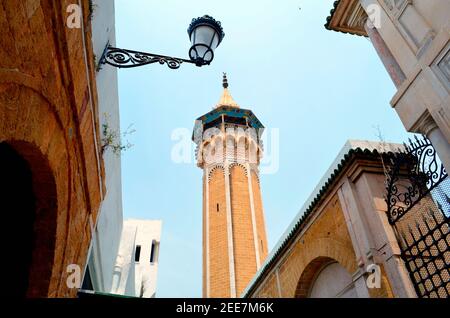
pixel 347 16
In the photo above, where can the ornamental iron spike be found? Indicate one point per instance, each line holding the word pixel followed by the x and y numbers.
pixel 419 227
pixel 425 221
pixel 417 139
pixel 406 147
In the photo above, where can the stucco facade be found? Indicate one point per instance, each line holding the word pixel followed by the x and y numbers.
pixel 136 266
pixel 412 39
pixel 108 228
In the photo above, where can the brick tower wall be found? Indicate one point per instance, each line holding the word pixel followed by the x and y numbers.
pixel 234 235
pixel 204 295
pixel 243 241
pixel 260 222
pixel 219 269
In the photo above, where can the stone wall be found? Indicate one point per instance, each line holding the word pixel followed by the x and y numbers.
pixel 48 102
pixel 344 221
pixel 326 238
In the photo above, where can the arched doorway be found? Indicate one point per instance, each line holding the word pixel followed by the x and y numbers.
pixel 28 206
pixel 333 281
pixel 324 277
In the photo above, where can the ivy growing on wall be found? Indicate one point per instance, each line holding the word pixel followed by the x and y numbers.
pixel 113 139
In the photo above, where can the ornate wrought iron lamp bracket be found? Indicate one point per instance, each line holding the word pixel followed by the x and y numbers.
pixel 123 58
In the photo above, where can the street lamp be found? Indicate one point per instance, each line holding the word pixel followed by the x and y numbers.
pixel 204 32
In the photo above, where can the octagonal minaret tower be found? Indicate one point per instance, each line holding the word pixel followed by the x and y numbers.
pixel 229 149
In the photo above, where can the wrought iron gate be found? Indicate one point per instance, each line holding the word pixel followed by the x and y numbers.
pixel 418 191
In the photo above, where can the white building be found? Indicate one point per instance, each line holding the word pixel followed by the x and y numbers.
pixel 107 231
pixel 136 268
pixel 412 39
pixel 132 269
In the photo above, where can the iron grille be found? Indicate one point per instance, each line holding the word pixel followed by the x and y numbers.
pixel 418 190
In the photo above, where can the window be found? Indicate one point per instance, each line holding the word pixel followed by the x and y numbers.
pixel 137 255
pixel 217 207
pixel 154 252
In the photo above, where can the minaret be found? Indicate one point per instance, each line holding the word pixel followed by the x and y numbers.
pixel 229 149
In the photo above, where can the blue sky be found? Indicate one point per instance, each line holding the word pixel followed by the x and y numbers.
pixel 318 87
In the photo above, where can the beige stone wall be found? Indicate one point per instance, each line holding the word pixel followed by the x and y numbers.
pixel 269 289
pixel 48 114
pixel 386 290
pixel 325 239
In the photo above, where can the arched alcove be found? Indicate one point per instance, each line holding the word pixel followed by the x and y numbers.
pixel 29 206
pixel 324 277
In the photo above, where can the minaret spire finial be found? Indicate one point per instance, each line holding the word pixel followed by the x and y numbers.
pixel 225 80
pixel 226 99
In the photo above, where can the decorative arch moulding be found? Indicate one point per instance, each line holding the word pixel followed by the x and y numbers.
pixel 214 168
pixel 211 138
pixel 237 164
pixel 209 170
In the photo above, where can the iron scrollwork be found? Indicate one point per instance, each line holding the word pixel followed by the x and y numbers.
pixel 412 174
pixel 123 58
